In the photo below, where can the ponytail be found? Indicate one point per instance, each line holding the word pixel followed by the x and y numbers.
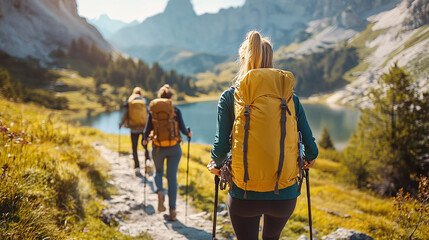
pixel 255 52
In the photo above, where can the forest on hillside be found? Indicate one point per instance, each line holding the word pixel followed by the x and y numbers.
pixel 28 81
pixel 321 71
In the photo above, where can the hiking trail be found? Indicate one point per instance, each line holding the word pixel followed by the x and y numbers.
pixel 127 208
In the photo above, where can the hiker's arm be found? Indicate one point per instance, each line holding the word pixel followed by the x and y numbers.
pixel 124 115
pixel 308 140
pixel 147 129
pixel 181 123
pixel 225 121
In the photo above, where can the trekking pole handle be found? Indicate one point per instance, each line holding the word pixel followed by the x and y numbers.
pixel 189 130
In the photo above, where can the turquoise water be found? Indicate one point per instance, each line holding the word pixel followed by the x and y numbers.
pixel 201 118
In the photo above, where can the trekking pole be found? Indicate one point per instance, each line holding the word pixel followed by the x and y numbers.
pixel 187 174
pixel 216 179
pixel 146 157
pixel 307 181
pixel 119 142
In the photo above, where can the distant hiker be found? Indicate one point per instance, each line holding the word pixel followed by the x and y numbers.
pixel 135 117
pixel 263 117
pixel 163 125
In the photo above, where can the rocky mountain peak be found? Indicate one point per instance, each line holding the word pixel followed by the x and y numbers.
pixel 419 14
pixel 50 24
pixel 350 20
pixel 179 8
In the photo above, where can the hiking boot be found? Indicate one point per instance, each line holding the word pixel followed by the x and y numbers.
pixel 172 214
pixel 161 207
pixel 148 169
pixel 137 171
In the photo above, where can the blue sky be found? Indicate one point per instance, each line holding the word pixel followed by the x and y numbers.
pixel 130 10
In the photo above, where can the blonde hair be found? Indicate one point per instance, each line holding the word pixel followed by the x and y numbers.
pixel 137 92
pixel 165 92
pixel 255 52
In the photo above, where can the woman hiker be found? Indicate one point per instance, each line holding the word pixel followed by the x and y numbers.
pixel 163 125
pixel 135 117
pixel 254 116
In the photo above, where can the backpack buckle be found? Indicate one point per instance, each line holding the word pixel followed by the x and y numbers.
pixel 283 105
pixel 247 111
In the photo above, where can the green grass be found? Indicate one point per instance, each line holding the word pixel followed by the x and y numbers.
pixel 73 79
pixel 329 195
pixel 52 180
pixel 82 97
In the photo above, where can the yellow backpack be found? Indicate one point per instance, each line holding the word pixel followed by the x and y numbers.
pixel 165 127
pixel 137 112
pixel 264 135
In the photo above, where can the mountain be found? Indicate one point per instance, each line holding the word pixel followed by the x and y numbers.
pixel 325 22
pixel 222 32
pixel 36 28
pixel 399 35
pixel 108 26
pixel 181 60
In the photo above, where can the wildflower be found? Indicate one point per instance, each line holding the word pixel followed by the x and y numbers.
pixel 9 155
pixel 4 129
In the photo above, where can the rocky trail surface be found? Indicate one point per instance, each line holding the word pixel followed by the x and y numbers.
pixel 134 217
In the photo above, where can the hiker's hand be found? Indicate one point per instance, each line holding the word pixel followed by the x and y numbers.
pixel 144 142
pixel 212 169
pixel 308 165
pixel 189 134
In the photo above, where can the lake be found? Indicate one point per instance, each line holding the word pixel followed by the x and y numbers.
pixel 201 118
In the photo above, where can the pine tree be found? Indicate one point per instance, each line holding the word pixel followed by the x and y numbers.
pixel 325 140
pixel 391 141
pixel 6 86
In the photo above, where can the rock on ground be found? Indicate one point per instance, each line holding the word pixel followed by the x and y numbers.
pixel 346 234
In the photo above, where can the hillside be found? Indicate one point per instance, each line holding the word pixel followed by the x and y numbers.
pixel 179 28
pixel 107 26
pixel 180 60
pixel 399 35
pixel 53 182
pixel 223 32
pixel 337 66
pixel 38 27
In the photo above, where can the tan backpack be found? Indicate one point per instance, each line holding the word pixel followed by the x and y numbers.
pixel 165 127
pixel 137 112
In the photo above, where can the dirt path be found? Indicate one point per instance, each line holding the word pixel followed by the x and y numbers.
pixel 134 217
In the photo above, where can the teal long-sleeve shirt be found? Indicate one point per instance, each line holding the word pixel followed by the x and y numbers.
pixel 221 146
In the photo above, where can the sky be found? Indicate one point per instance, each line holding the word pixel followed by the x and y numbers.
pixel 130 10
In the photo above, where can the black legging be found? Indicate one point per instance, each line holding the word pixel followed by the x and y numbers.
pixel 246 214
pixel 135 142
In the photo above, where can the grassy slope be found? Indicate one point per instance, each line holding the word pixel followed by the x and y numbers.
pixel 216 82
pixel 82 96
pixel 53 181
pixel 64 177
pixel 359 42
pixel 368 213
